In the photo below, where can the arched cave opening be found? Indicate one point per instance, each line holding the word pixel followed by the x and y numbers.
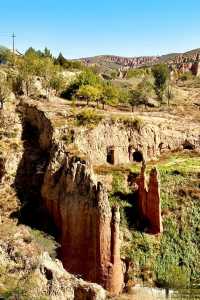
pixel 138 156
pixel 110 155
pixel 188 145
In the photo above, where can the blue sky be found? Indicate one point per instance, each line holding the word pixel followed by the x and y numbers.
pixel 81 28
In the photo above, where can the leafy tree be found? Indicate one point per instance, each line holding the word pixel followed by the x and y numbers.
pixel 110 94
pixel 57 82
pixel 134 98
pixel 47 53
pixel 28 67
pixel 60 60
pixel 5 54
pixel 88 93
pixel 86 77
pixel 31 51
pixel 161 76
pixel 141 94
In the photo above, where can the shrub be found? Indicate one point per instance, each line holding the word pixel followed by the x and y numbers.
pixel 45 242
pixel 88 117
pixel 186 76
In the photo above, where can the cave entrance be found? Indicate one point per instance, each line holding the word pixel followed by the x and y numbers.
pixel 138 156
pixel 188 146
pixel 111 155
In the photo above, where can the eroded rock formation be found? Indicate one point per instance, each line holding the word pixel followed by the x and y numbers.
pixel 63 286
pixel 149 201
pixel 78 205
pixel 89 229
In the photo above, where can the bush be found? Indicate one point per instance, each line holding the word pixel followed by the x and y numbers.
pixel 88 117
pixel 186 76
pixel 45 242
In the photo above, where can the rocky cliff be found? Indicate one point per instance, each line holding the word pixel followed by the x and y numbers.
pixel 56 173
pixel 130 142
pixel 89 229
pixel 149 201
pixel 78 204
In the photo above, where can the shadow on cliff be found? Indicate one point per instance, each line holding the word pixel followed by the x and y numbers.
pixel 130 213
pixel 28 182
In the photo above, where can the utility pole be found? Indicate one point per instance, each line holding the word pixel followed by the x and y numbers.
pixel 13 42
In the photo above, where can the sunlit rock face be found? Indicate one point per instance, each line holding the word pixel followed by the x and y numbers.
pixel 78 205
pixel 149 201
pixel 89 229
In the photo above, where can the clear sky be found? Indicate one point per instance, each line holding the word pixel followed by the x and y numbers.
pixel 81 28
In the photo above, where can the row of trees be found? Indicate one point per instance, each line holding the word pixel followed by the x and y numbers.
pixel 91 88
pixel 20 78
pixel 88 86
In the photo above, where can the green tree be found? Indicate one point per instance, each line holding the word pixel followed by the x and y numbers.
pixel 110 95
pixel 161 76
pixel 134 98
pixel 47 53
pixel 141 94
pixel 88 93
pixel 5 55
pixel 86 77
pixel 57 82
pixel 28 67
pixel 60 60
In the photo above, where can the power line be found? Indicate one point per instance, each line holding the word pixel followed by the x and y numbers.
pixel 13 36
pixel 13 42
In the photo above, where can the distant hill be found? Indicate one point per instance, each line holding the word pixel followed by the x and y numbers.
pixel 113 62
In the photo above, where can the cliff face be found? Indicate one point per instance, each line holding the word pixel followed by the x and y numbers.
pixel 89 230
pixel 67 188
pixel 77 204
pixel 149 201
pixel 155 136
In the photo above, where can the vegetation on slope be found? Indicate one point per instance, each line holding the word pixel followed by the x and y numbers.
pixel 172 258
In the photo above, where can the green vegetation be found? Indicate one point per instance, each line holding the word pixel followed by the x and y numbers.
pixel 136 73
pixel 186 76
pixel 88 93
pixel 141 94
pixel 88 117
pixel 161 76
pixel 171 259
pixel 5 89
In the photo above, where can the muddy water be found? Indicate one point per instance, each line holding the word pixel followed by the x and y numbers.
pixel 142 293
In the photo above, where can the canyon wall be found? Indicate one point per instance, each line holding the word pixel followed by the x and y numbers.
pixel 78 205
pixel 149 202
pixel 89 229
pixel 155 136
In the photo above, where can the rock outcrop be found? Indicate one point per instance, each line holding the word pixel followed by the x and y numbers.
pixel 60 285
pixel 89 229
pixel 78 204
pixel 149 203
pixel 125 143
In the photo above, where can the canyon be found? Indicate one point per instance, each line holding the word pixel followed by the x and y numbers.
pixel 56 176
